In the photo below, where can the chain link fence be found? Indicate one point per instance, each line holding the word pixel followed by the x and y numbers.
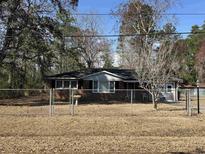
pixel 192 99
pixel 24 101
pixel 66 101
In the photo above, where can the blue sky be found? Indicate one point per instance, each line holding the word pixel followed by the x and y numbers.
pixel 184 23
pixel 101 6
pixel 189 6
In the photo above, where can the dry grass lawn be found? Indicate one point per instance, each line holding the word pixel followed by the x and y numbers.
pixel 113 128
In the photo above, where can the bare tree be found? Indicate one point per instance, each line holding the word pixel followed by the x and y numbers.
pixel 152 54
pixel 90 48
pixel 155 67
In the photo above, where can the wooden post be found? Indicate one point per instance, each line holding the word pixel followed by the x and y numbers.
pixel 76 101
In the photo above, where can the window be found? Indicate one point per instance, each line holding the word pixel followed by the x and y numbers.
pixel 59 84
pixel 169 88
pixel 95 86
pixel 73 84
pixel 66 84
pixel 112 86
pixel 103 86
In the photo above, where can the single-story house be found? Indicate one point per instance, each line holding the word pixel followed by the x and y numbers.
pixel 108 85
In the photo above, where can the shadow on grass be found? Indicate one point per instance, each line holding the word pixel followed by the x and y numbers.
pixel 107 102
pixel 34 114
pixel 197 151
pixel 171 109
pixel 24 103
pixel 34 101
pixel 30 102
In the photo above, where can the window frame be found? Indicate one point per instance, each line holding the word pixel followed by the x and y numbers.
pixel 113 87
pixel 93 89
pixel 71 84
pixel 98 87
pixel 169 88
pixel 63 85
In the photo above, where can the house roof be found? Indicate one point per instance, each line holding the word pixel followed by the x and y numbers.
pixel 125 74
pixel 176 79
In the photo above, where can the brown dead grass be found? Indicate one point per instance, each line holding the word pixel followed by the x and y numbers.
pixel 113 128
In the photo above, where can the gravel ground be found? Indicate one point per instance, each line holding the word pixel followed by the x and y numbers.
pixel 112 128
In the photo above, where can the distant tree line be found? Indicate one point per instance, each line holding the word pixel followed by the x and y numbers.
pixel 191 50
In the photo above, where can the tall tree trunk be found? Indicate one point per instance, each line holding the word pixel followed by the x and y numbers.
pixel 154 101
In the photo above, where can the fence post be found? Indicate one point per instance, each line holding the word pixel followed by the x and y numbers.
pixel 131 96
pixel 50 102
pixel 72 103
pixel 186 95
pixel 53 100
pixel 70 95
pixel 198 106
pixel 131 106
pixel 189 104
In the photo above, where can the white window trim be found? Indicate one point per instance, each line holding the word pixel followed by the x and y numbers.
pixel 94 90
pixel 63 84
pixel 98 88
pixel 113 89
